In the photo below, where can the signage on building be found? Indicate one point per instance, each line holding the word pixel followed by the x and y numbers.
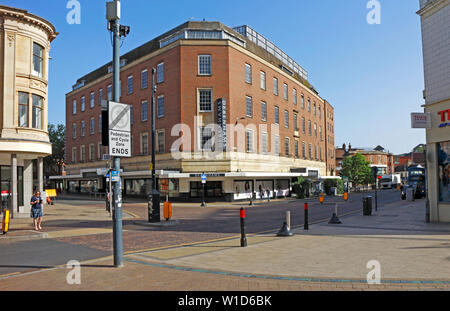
pixel 420 120
pixel 444 120
pixel 115 176
pixel 207 175
pixel 222 122
pixel 203 179
pixel 119 130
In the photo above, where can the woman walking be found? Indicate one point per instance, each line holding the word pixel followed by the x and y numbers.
pixel 36 210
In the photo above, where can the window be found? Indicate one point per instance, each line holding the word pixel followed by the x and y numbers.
pixel 100 96
pixel 144 111
pixel 82 154
pixel 92 100
pixel 303 126
pixel 91 152
pixel 264 143
pixel 248 73
pixel 303 101
pixel 130 85
pixel 295 122
pixel 309 128
pixel 100 123
pixel 206 138
pixel 131 115
pixel 249 140
pixel 83 103
pixel 83 128
pixel 205 100
pixel 320 152
pixel 74 130
pixel 144 144
pixel 109 90
pixel 263 111
pixel 286 146
pixel 160 73
pixel 315 129
pixel 249 106
pixel 310 151
pixel 74 106
pixel 442 170
pixel 92 126
pixel 296 148
pixel 276 115
pixel 275 86
pixel 314 108
pixel 277 145
pixel 285 91
pixel 38 60
pixel 315 153
pixel 23 109
pixel 286 119
pixel 262 75
pixel 204 64
pixel 100 151
pixel 294 95
pixel 144 79
pixel 320 111
pixel 304 150
pixel 37 102
pixel 160 106
pixel 309 105
pixel 74 155
pixel 161 141
pixel 320 132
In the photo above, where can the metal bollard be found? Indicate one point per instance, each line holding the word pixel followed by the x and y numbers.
pixel 288 219
pixel 243 237
pixel 306 225
pixel 335 219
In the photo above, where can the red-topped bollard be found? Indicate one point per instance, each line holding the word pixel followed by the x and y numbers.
pixel 305 225
pixel 243 238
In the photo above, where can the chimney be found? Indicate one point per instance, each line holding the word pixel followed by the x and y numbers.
pixel 349 146
pixel 343 147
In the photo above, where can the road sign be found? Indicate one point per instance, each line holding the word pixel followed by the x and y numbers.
pixel 119 129
pixel 106 157
pixel 102 171
pixel 203 178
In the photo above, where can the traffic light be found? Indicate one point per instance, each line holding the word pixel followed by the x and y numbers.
pixel 374 172
pixel 105 125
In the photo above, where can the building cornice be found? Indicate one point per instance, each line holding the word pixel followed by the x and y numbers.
pixel 432 5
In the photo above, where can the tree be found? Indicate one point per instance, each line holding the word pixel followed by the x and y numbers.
pixel 356 169
pixel 53 163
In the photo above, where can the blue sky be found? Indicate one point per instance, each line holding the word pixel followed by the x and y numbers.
pixel 371 74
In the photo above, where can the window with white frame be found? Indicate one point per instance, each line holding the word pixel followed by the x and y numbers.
pixel 92 100
pixel 109 91
pixel 249 140
pixel 100 96
pixel 320 111
pixel 74 130
pixel 264 143
pixel 160 102
pixel 294 95
pixel 249 106
pixel 304 150
pixel 309 105
pixel 315 129
pixel 38 60
pixel 74 155
pixel 144 111
pixel 204 64
pixel 314 109
pixel 23 109
pixel 161 141
pixel 38 106
pixel 275 86
pixel 91 152
pixel 309 128
pixel 263 111
pixel 144 143
pixel 310 151
pixel 83 128
pixel 296 148
pixel 276 113
pixel 262 75
pixel 83 103
pixel 248 73
pixel 303 101
pixel 320 132
pixel 303 126
pixel 286 146
pixel 286 119
pixel 277 145
pixel 92 126
pixel 295 122
pixel 144 79
pixel 130 85
pixel 160 73
pixel 205 100
pixel 315 152
pixel 82 153
pixel 99 151
pixel 285 91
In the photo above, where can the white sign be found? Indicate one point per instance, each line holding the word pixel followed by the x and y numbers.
pixel 420 120
pixel 119 130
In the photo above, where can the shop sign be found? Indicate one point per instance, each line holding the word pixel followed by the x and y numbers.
pixel 444 121
pixel 420 120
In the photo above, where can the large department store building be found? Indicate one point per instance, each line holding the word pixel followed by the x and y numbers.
pixel 435 21
pixel 275 125
pixel 24 66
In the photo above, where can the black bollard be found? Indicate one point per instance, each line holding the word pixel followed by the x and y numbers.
pixel 305 225
pixel 243 238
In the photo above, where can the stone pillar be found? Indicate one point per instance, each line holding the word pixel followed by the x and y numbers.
pixel 40 174
pixel 13 183
pixel 27 185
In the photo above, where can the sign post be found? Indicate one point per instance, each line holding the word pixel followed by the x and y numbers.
pixel 203 189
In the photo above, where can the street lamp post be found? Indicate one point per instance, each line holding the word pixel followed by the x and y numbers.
pixel 154 211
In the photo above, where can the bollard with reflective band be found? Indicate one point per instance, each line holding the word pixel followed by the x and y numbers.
pixel 321 198
pixel 345 196
pixel 243 237
pixel 305 224
pixel 167 210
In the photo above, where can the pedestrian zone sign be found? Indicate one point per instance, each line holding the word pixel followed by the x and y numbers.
pixel 119 129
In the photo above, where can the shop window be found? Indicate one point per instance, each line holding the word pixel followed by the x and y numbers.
pixel 444 171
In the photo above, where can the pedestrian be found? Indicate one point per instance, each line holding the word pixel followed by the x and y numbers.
pixel 36 210
pixel 268 194
pixel 261 192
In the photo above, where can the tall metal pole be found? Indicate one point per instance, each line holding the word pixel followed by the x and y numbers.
pixel 117 197
pixel 154 214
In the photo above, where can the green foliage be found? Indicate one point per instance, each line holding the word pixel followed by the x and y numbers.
pixel 357 170
pixel 57 134
pixel 301 187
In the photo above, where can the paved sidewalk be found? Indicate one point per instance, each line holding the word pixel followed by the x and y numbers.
pixel 413 255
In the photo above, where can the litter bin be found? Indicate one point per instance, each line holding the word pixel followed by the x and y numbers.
pixel 367 205
pixel 410 194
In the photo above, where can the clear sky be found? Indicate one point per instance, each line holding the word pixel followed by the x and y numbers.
pixel 371 74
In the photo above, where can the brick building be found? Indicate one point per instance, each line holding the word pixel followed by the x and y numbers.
pixel 276 126
pixel 375 156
